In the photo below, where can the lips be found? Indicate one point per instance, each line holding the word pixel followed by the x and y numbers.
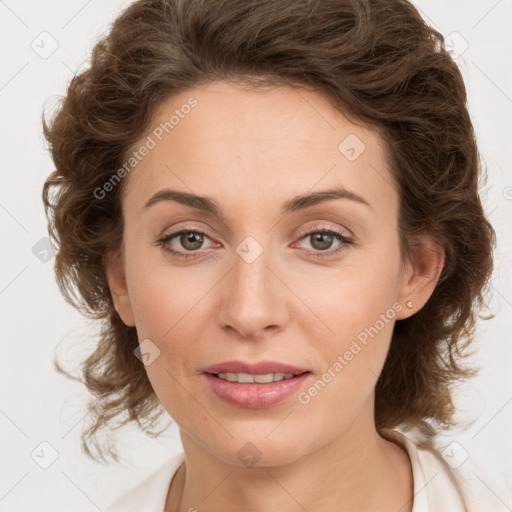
pixel 247 390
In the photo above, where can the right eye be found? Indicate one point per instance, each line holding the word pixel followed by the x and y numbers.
pixel 190 240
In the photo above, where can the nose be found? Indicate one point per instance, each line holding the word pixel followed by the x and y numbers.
pixel 254 298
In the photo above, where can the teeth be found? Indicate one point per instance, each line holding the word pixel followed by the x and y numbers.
pixel 245 378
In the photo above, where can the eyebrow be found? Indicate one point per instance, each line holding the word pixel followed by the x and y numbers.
pixel 207 204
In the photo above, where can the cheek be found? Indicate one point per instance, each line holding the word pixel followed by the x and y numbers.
pixel 362 317
pixel 357 309
pixel 170 307
pixel 359 324
pixel 166 307
pixel 165 298
pixel 346 301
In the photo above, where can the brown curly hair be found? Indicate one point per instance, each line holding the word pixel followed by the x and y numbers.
pixel 374 59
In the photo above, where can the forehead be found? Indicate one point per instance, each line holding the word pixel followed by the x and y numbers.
pixel 257 145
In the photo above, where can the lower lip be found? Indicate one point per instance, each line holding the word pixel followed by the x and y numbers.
pixel 255 396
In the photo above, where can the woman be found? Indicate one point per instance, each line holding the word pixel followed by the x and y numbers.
pixel 273 209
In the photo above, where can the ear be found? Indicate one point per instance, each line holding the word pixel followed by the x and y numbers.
pixel 420 275
pixel 117 283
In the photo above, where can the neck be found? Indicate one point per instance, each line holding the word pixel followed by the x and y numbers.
pixel 358 470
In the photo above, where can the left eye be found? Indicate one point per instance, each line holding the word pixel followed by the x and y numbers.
pixel 322 240
pixel 191 241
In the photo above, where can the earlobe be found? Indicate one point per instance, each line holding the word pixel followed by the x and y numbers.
pixel 420 276
pixel 118 288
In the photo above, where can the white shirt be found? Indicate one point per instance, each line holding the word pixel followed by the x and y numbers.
pixel 439 486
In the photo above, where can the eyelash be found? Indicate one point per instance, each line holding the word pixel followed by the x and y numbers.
pixel 316 254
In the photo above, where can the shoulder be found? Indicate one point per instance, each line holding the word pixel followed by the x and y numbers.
pixel 447 478
pixel 151 493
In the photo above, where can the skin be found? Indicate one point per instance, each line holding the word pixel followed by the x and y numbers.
pixel 252 150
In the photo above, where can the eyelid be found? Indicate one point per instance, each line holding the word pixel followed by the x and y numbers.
pixel 172 232
pixel 326 227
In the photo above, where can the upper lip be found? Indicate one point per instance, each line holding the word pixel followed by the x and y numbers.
pixel 259 368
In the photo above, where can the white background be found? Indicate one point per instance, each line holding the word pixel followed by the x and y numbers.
pixel 37 404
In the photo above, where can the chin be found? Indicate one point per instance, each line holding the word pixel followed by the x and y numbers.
pixel 258 450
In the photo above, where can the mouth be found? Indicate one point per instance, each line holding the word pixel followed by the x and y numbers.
pixel 255 385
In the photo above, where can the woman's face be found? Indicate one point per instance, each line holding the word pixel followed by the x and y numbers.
pixel 261 291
